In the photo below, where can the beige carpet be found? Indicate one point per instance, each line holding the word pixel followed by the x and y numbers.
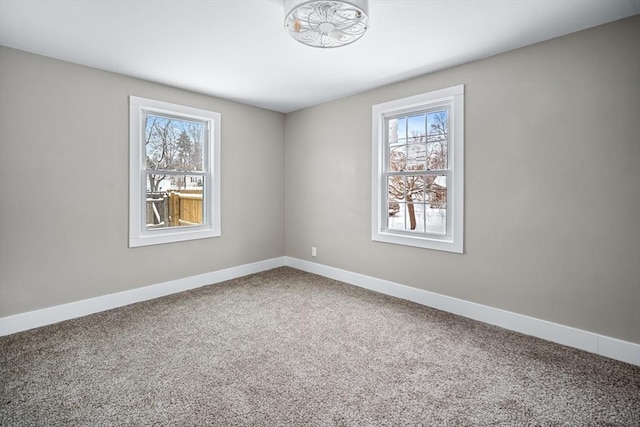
pixel 290 348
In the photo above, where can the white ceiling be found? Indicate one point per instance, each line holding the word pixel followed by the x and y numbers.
pixel 239 50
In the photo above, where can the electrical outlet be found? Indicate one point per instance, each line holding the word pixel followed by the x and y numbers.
pixel 313 251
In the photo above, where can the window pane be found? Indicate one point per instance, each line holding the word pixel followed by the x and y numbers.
pixel 416 128
pixel 437 137
pixel 416 157
pixel 396 216
pixel 436 219
pixel 398 158
pixel 415 195
pixel 401 129
pixel 174 200
pixel 395 188
pixel 393 131
pixel 415 188
pixel 419 216
pixel 174 144
pixel 436 206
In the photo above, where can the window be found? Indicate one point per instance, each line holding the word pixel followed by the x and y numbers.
pixel 174 173
pixel 418 165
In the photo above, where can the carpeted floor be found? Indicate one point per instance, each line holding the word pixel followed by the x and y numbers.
pixel 284 347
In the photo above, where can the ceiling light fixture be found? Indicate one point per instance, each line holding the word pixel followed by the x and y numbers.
pixel 326 23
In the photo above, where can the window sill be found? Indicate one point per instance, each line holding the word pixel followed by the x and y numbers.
pixel 171 236
pixel 446 243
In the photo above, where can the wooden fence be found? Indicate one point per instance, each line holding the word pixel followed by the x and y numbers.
pixel 174 208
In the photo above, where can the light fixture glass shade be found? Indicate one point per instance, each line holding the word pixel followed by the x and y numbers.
pixel 326 23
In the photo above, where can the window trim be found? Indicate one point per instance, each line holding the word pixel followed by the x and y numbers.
pixel 138 233
pixel 453 241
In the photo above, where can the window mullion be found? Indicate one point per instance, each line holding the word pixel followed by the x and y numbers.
pixel 419 172
pixel 173 172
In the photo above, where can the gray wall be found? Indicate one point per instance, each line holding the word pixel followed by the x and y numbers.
pixel 64 138
pixel 552 197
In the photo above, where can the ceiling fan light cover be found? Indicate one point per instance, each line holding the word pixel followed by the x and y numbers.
pixel 326 24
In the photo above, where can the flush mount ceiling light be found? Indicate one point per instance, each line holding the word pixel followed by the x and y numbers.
pixel 326 23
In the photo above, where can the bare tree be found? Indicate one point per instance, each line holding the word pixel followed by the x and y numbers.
pixel 171 145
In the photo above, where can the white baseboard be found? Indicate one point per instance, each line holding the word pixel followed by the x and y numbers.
pixel 565 335
pixel 50 315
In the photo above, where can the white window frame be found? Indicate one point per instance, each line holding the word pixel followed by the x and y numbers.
pixel 452 241
pixel 139 108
